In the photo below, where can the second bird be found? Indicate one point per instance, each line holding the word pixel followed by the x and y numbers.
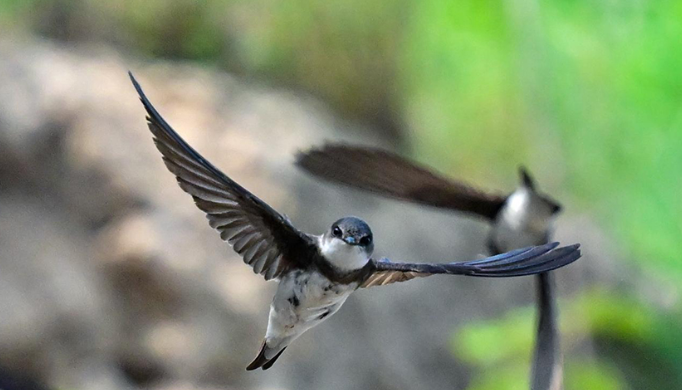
pixel 523 218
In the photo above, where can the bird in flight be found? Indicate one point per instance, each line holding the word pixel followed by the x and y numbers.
pixel 523 218
pixel 315 274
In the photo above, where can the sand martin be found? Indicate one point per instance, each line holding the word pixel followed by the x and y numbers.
pixel 316 274
pixel 523 218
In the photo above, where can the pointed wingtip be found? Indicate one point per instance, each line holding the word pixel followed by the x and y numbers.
pixel 300 155
pixel 526 178
pixel 152 114
pixel 132 79
pixel 314 159
pixel 534 260
pixel 137 86
pixel 305 154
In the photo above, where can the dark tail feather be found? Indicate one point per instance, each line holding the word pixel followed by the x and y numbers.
pixel 261 361
pixel 272 361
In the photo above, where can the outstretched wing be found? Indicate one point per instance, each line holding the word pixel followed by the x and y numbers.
pixel 388 174
pixel 265 239
pixel 519 262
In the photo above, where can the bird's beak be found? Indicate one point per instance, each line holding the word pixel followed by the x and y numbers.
pixel 350 240
pixel 556 209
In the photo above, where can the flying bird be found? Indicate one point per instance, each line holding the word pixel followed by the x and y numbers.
pixel 315 274
pixel 520 219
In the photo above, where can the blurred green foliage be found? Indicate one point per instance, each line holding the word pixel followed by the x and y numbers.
pixel 595 312
pixel 578 375
pixel 644 341
pixel 587 94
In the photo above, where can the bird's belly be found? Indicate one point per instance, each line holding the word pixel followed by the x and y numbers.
pixel 303 300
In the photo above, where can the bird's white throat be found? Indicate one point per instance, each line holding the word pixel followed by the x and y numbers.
pixel 525 220
pixel 517 210
pixel 526 210
pixel 341 255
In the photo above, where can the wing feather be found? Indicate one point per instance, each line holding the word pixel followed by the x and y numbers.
pixel 388 174
pixel 519 262
pixel 265 239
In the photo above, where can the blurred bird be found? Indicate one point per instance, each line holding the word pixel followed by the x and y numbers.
pixel 523 218
pixel 316 274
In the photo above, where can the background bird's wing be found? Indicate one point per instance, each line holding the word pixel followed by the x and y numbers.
pixel 519 262
pixel 388 174
pixel 265 239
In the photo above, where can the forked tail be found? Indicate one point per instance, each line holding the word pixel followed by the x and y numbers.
pixel 262 360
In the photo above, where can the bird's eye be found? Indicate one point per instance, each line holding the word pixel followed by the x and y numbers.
pixel 336 231
pixel 366 240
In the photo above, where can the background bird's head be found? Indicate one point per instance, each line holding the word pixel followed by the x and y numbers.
pixel 531 208
pixel 548 205
pixel 348 244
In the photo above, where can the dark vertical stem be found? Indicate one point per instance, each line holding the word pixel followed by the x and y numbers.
pixel 547 370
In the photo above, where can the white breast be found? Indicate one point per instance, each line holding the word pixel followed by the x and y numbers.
pixel 525 220
pixel 343 256
pixel 303 300
pixel 516 211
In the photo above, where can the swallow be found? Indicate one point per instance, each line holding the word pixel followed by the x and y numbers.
pixel 523 218
pixel 315 273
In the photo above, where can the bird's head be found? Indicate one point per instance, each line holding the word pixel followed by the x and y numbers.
pixel 529 210
pixel 348 244
pixel 547 205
